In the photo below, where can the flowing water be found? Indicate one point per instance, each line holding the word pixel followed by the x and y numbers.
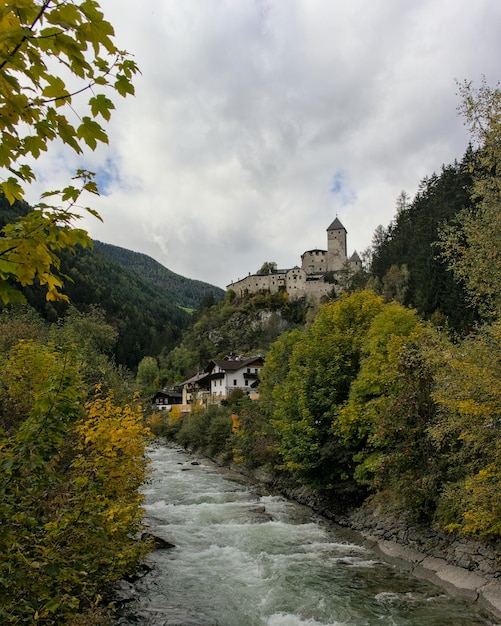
pixel 245 559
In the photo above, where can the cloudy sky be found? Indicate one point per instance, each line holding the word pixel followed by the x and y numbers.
pixel 256 122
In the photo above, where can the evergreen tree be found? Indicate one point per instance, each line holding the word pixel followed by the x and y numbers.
pixel 411 240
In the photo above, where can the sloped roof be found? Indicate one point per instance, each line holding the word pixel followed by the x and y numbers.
pixel 336 225
pixel 231 365
pixel 194 379
pixel 355 257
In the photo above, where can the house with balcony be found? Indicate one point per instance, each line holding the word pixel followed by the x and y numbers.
pixel 165 400
pixel 195 389
pixel 234 372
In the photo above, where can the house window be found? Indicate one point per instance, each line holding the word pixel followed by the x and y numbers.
pixel 234 382
pixel 246 382
pixel 248 370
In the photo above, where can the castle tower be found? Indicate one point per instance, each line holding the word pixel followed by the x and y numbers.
pixel 336 246
pixel 355 262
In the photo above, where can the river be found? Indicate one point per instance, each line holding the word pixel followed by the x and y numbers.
pixel 248 558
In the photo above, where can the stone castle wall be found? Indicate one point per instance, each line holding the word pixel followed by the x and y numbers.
pixel 309 279
pixel 314 261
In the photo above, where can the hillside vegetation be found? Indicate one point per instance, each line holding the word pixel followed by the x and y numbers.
pixel 231 326
pixel 406 262
pixel 147 317
pixel 72 458
pixel 181 291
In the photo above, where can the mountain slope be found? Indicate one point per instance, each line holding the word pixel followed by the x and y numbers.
pixel 182 291
pixel 145 317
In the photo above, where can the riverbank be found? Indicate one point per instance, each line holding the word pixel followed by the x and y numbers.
pixel 243 555
pixel 466 568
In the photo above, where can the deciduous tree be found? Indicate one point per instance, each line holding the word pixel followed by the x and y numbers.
pixel 322 367
pixel 471 244
pixel 70 473
pixel 56 59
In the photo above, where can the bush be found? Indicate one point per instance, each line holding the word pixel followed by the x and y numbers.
pixel 70 505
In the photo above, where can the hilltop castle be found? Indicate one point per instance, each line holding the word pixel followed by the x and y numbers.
pixel 317 275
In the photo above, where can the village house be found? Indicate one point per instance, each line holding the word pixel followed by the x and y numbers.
pixel 214 384
pixel 234 372
pixel 164 400
pixel 195 389
pixel 321 271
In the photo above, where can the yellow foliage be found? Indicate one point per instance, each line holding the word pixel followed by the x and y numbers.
pixel 115 438
pixel 468 393
pixel 235 423
pixel 484 515
pixel 156 419
pixel 175 415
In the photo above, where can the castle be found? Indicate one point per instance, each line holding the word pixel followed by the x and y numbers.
pixel 318 275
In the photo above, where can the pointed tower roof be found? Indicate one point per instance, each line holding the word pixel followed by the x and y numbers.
pixel 336 225
pixel 355 257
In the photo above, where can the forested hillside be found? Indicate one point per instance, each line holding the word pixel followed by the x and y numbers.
pixel 181 291
pixel 406 261
pixel 144 315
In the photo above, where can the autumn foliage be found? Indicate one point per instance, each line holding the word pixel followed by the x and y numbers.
pixel 58 63
pixel 71 467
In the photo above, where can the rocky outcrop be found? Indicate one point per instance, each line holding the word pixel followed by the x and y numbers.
pixel 158 542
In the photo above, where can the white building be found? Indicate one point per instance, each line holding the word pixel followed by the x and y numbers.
pixel 234 372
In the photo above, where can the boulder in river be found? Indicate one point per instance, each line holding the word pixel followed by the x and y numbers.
pixel 158 542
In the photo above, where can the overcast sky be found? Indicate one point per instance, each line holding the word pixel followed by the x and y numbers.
pixel 256 122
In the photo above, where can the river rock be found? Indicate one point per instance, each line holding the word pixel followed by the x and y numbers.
pixel 259 515
pixel 158 542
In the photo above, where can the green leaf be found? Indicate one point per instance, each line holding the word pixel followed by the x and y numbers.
pixel 12 190
pixel 124 86
pixel 52 605
pixel 55 88
pixel 91 132
pixel 100 104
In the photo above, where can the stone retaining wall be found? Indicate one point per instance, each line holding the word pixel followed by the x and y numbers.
pixel 459 565
pixel 465 567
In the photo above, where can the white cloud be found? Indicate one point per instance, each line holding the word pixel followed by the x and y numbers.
pixel 255 122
